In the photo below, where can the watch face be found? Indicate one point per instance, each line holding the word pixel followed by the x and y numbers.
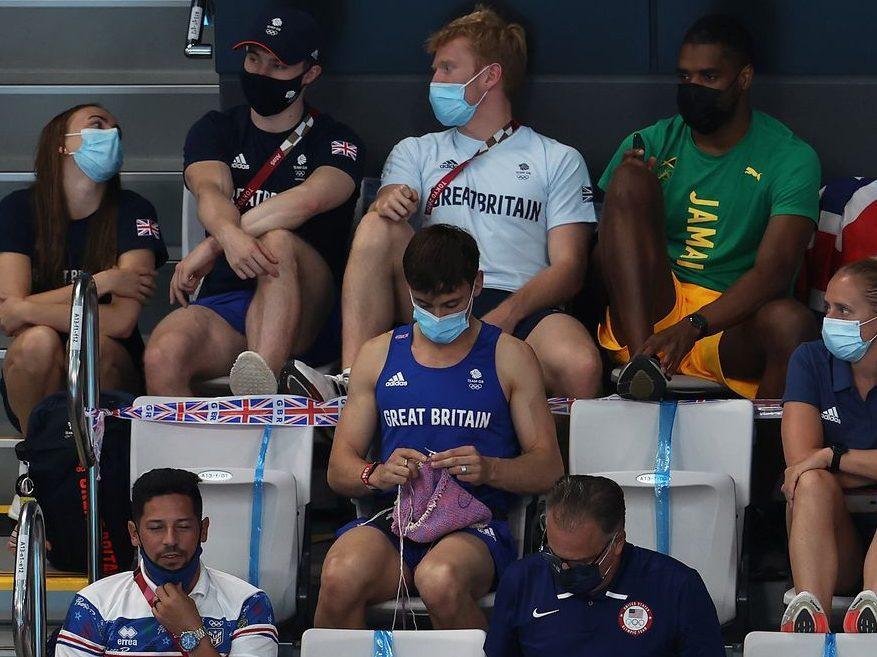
pixel 188 641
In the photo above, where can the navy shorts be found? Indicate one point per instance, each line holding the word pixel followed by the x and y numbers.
pixel 491 298
pixel 497 536
pixel 231 306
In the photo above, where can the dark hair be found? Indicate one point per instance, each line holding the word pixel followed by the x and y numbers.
pixel 866 270
pixel 724 30
pixel 575 498
pixel 439 259
pixel 52 217
pixel 165 481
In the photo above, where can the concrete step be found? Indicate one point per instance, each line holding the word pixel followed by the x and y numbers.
pixel 155 119
pixel 99 41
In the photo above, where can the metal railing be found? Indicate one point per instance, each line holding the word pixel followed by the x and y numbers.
pixel 198 17
pixel 83 394
pixel 29 587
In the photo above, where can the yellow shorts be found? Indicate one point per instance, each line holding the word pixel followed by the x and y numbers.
pixel 703 360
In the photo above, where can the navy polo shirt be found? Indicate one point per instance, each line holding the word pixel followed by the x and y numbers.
pixel 655 606
pixel 817 378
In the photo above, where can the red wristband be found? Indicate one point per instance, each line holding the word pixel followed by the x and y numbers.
pixel 367 472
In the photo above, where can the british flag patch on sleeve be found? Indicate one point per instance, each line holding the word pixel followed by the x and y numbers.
pixel 344 148
pixel 148 228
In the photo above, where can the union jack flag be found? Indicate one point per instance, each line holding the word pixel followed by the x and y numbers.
pixel 344 148
pixel 148 228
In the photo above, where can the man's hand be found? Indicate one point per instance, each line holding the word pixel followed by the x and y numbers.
pixel 190 270
pixel 635 156
pixel 464 462
pixel 136 284
pixel 500 318
pixel 819 460
pixel 248 256
pixel 398 469
pixel 671 345
pixel 175 610
pixel 397 204
pixel 12 316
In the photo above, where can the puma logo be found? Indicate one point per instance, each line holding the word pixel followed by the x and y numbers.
pixel 752 172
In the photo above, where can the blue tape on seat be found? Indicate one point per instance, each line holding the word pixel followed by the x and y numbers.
pixel 256 513
pixel 829 649
pixel 383 645
pixel 662 476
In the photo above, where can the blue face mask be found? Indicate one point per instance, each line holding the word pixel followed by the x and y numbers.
pixel 843 338
pixel 100 155
pixel 184 576
pixel 579 579
pixel 448 100
pixel 442 330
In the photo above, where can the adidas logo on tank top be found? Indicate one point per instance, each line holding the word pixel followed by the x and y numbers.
pixel 396 380
pixel 239 162
pixel 831 415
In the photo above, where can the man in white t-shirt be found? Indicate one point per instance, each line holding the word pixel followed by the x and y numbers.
pixel 527 201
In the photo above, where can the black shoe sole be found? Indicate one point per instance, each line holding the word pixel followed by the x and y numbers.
pixel 642 380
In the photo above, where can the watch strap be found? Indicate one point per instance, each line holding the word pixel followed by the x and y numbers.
pixel 837 451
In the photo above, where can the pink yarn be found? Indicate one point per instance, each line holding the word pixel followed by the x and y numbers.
pixel 434 505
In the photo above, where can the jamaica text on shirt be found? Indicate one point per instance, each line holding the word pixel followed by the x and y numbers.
pixel 698 234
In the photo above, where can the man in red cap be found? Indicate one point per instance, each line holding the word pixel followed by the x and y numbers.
pixel 275 184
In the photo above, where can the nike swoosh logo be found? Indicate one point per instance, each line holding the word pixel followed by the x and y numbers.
pixel 536 613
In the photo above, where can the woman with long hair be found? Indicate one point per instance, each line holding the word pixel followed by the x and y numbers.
pixel 830 443
pixel 75 217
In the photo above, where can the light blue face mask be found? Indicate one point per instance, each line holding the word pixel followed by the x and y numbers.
pixel 843 338
pixel 100 155
pixel 445 329
pixel 448 100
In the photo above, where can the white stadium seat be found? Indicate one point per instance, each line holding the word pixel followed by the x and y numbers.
pixel 785 644
pixel 225 457
pixel 709 485
pixel 382 612
pixel 426 643
pixel 193 231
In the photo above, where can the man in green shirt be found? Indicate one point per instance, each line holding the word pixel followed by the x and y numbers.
pixel 705 223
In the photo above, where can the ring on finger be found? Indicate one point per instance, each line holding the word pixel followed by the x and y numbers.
pixel 463 469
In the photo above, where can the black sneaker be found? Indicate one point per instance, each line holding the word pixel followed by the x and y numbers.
pixel 642 379
pixel 297 378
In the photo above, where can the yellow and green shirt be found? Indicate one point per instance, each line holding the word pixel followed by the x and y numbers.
pixel 717 207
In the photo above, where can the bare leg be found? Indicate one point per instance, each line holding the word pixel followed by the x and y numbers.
pixel 570 361
pixel 33 369
pixel 361 568
pixel 451 579
pixel 117 368
pixel 287 312
pixel 759 348
pixel 189 343
pixel 870 570
pixel 632 255
pixel 374 293
pixel 820 531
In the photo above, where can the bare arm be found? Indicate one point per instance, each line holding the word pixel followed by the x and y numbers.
pixel 212 186
pixel 15 276
pixel 556 284
pixel 118 318
pixel 540 463
pixel 776 264
pixel 356 428
pixel 325 189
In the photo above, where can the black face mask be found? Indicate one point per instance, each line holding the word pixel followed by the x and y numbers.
pixel 579 579
pixel 702 107
pixel 268 96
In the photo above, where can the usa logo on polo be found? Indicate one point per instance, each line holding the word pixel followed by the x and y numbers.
pixel 635 618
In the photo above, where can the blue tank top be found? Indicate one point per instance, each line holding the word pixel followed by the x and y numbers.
pixel 433 409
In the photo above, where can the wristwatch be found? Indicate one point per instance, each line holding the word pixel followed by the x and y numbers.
pixel 190 639
pixel 699 322
pixel 836 452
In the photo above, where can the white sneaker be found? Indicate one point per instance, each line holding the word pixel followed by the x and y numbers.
pixel 861 617
pixel 250 375
pixel 304 381
pixel 804 614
